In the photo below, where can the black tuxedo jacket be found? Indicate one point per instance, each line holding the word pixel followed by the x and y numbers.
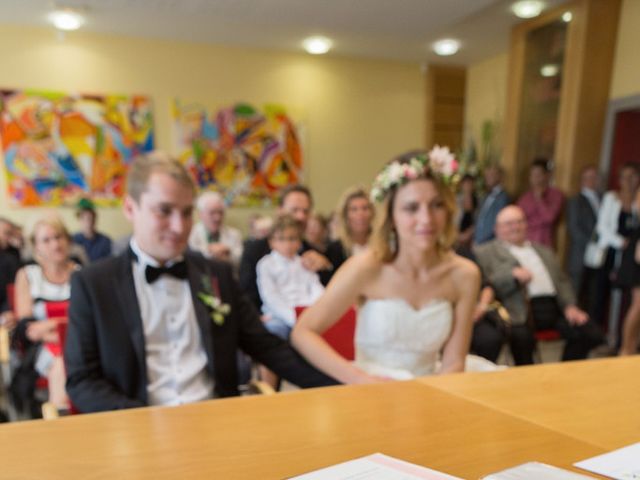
pixel 105 347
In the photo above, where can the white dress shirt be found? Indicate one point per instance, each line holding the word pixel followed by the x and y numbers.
pixel 283 284
pixel 175 357
pixel 541 283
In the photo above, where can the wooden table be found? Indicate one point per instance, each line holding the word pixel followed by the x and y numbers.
pixel 597 401
pixel 284 435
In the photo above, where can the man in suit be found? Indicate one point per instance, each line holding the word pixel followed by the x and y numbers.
pixel 160 325
pixel 528 280
pixel 582 214
pixel 494 201
pixel 296 201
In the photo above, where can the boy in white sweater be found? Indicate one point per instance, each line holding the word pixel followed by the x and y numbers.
pixel 283 282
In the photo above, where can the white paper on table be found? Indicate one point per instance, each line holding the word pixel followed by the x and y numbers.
pixel 535 471
pixel 621 464
pixel 378 467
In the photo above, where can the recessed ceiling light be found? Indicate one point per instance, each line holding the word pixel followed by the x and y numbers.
pixel 317 45
pixel 527 8
pixel 567 17
pixel 446 47
pixel 549 70
pixel 66 19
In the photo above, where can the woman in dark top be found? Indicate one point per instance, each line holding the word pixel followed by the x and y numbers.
pixel 629 277
pixel 616 221
pixel 467 205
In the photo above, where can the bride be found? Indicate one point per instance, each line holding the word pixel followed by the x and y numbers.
pixel 417 296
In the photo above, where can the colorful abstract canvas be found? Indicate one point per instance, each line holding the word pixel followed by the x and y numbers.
pixel 58 147
pixel 248 155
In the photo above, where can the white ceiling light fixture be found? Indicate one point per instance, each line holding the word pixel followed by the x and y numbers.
pixel 317 45
pixel 65 18
pixel 446 47
pixel 527 8
pixel 567 17
pixel 549 70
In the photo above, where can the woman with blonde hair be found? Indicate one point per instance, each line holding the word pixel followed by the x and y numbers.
pixel 417 296
pixel 45 281
pixel 355 215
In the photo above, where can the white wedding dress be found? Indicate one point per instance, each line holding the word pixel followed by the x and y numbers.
pixel 395 340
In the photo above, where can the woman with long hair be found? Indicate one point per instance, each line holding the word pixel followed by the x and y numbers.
pixel 45 281
pixel 417 296
pixel 355 220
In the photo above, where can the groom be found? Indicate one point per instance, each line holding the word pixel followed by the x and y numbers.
pixel 160 325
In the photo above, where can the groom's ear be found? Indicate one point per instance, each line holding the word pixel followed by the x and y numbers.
pixel 129 206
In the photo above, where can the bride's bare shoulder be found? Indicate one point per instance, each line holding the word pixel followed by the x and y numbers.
pixel 463 268
pixel 363 265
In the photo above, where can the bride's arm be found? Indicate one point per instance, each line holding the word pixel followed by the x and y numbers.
pixel 466 278
pixel 341 293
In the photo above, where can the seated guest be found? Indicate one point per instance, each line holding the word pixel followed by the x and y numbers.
pixel 354 225
pixel 38 284
pixel 582 213
pixel 210 236
pixel 489 329
pixel 317 232
pixel 296 201
pixel 527 276
pixel 467 203
pixel 8 267
pixel 161 325
pixel 7 238
pixel 260 226
pixel 96 244
pixel 494 201
pixel 542 204
pixel 283 282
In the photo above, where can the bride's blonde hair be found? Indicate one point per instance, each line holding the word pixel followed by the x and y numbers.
pixel 383 240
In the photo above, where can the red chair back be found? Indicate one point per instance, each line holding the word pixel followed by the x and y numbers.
pixel 11 296
pixel 547 335
pixel 341 334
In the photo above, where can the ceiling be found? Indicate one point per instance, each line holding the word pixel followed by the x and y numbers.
pixel 388 29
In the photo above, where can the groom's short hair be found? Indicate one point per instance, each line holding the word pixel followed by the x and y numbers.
pixel 157 161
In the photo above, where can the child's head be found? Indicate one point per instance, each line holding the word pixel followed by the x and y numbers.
pixel 285 236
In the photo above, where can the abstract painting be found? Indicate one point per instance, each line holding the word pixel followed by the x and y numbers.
pixel 60 147
pixel 246 154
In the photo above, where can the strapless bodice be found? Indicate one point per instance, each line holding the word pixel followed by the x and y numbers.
pixel 394 339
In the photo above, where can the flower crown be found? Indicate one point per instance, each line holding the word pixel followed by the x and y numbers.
pixel 439 161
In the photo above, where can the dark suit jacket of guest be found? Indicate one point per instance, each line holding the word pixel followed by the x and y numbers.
pixel 252 251
pixel 9 266
pixel 105 348
pixel 497 263
pixel 486 219
pixel 581 222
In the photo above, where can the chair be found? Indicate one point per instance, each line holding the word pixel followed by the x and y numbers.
pixel 11 296
pixel 341 334
pixel 550 337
